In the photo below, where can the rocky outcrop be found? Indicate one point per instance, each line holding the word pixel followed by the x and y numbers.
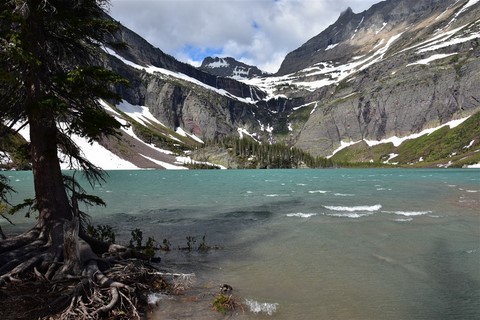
pixel 414 99
pixel 198 111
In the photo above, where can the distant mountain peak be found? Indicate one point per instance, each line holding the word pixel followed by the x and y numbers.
pixel 347 12
pixel 355 34
pixel 230 67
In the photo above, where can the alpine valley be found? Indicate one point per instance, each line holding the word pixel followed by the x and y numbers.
pixel 398 84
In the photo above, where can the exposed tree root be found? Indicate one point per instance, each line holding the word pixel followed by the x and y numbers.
pixel 85 286
pixel 180 281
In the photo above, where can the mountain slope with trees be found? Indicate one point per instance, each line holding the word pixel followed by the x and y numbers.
pixel 391 71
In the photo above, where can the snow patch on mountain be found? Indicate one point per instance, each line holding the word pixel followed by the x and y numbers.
pixel 187 160
pixel 94 152
pixel 356 29
pixel 183 133
pixel 444 39
pixel 465 8
pixel 383 27
pixel 330 47
pixel 244 132
pixel 434 57
pixel 163 164
pixel 220 63
pixel 141 114
pixel 240 73
pixel 397 141
pixel 98 155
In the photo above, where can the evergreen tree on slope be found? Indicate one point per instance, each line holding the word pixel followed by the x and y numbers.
pixel 47 81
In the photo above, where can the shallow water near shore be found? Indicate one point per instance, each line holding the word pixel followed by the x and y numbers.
pixel 307 244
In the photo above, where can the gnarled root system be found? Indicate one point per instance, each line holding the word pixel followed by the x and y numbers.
pixel 37 281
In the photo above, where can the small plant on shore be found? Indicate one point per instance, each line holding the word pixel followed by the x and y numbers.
pixel 203 245
pixel 190 243
pixel 149 249
pixel 224 303
pixel 166 245
pixel 103 233
pixel 136 240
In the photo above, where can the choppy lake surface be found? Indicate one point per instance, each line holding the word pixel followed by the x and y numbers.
pixel 308 244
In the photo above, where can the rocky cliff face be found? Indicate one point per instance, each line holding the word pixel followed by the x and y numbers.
pixel 395 69
pixel 231 68
pixel 181 96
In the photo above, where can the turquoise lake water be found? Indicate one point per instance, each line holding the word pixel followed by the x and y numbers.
pixel 307 244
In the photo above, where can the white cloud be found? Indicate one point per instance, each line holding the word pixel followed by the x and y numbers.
pixel 260 32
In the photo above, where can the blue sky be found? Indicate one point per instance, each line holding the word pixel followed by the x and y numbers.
pixel 257 32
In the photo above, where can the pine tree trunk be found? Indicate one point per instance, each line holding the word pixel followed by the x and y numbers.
pixel 51 197
pixel 2 234
pixel 72 262
pixel 50 193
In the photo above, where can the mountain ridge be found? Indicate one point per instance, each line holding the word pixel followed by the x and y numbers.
pixel 394 70
pixel 382 16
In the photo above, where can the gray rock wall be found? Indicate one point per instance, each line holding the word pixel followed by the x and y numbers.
pixel 371 108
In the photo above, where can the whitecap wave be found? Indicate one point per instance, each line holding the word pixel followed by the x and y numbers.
pixel 318 191
pixel 257 307
pixel 301 215
pixel 355 208
pixel 276 195
pixel 344 194
pixel 411 213
pixel 349 215
pixel 153 298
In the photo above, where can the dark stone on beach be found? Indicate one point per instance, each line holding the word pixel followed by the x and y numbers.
pixel 226 289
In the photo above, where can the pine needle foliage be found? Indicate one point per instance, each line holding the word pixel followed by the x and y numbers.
pixel 48 54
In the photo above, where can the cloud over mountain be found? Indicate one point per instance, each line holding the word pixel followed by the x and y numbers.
pixel 257 32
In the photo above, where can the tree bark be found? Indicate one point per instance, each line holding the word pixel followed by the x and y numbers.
pixel 51 197
pixel 2 234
